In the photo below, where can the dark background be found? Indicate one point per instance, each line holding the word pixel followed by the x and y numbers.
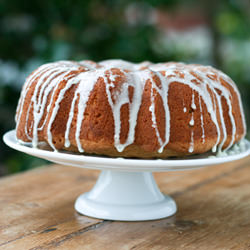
pixel 36 32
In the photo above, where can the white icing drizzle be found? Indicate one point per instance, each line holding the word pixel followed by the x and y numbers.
pixel 86 85
pixel 49 76
pixel 154 123
pixel 235 89
pixel 86 82
pixel 202 122
pixel 25 90
pixel 237 148
pixel 121 64
pixel 226 94
pixel 122 97
pixel 38 107
pixel 193 106
pixel 191 146
pixel 191 122
pixel 164 96
pixel 163 92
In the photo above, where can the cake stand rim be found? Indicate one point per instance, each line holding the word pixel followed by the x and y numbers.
pixel 120 164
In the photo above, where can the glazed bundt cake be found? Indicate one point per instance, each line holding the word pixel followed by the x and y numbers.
pixel 118 108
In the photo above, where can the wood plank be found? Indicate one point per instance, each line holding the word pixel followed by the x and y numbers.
pixel 189 179
pixel 38 209
pixel 40 199
pixel 213 216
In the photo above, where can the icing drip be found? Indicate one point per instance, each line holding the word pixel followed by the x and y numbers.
pixel 164 96
pixel 47 76
pixel 226 94
pixel 24 92
pixel 86 85
pixel 203 81
pixel 163 92
pixel 135 80
pixel 191 122
pixel 154 123
pixel 38 106
pixel 86 82
pixel 191 146
pixel 193 106
pixel 202 122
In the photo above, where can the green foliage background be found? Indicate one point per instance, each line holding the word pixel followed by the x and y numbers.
pixel 36 32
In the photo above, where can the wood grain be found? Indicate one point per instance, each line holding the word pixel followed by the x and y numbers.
pixel 37 211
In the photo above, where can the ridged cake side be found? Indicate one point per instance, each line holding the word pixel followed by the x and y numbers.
pixel 117 108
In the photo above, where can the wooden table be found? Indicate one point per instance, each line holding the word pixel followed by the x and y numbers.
pixel 37 211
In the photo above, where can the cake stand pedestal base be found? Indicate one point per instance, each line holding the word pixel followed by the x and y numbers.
pixel 125 196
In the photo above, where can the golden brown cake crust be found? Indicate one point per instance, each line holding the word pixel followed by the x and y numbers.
pixel 181 109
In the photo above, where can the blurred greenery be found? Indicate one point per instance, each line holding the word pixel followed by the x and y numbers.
pixel 36 32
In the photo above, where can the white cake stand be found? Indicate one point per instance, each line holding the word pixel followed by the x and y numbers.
pixel 126 189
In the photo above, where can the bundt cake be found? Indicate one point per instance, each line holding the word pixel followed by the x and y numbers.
pixel 118 108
